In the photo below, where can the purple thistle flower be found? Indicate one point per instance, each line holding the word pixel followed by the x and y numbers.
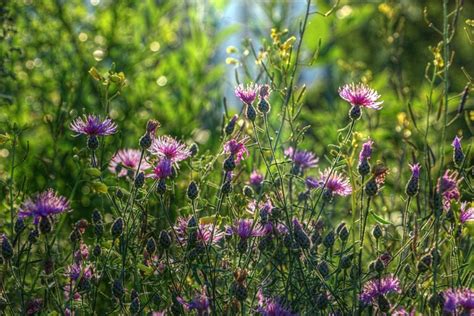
pixel 169 148
pixel 47 203
pixel 415 170
pixel 203 232
pixel 129 159
pixel 256 178
pixel 163 169
pixel 366 151
pixel 457 143
pixel 466 299
pixel 245 229
pixel 271 306
pixel 237 149
pixel 247 93
pixel 76 271
pixel 335 183
pixel 262 207
pixel 93 126
pixel 448 187
pixel 467 213
pixel 312 183
pixel 360 95
pixel 301 158
pixel 200 303
pixel 264 91
pixel 152 126
pixel 376 287
pixel 450 301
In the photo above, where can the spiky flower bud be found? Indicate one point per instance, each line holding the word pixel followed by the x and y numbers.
pixel 119 193
pixel 355 113
pixel 383 303
pixel 194 149
pixel 96 217
pixel 145 141
pixel 251 113
pixel 329 240
pixel 263 106
pixel 229 163
pixel 265 243
pixel 226 187
pixel 377 232
pixel 193 191
pixel 322 301
pixel 161 186
pixel 97 251
pixel 19 226
pixel 92 142
pixel 151 245
pixel 413 185
pixel 302 238
pixel 346 261
pixel 363 167
pixel 7 249
pixel 371 187
pixel 135 306
pixel 248 191
pixel 229 129
pixel 323 268
pixel 316 238
pixel 425 263
pixel 342 231
pixel 33 236
pixel 99 230
pixel 379 265
pixel 242 246
pixel 75 236
pixel 239 290
pixel 458 154
pixel 139 180
pixel 117 227
pixel 45 225
pixel 165 239
pixel 117 289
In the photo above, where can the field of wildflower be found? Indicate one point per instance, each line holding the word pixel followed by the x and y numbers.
pixel 275 158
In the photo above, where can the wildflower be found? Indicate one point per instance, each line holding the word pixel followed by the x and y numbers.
pixel 204 232
pixel 163 169
pixel 364 156
pixel 263 104
pixel 77 271
pixel 237 149
pixel 270 306
pixel 147 139
pixel 461 299
pixel 448 187
pixel 336 184
pixel 302 159
pixel 256 179
pixel 247 93
pixel 128 159
pixel 245 229
pixel 169 148
pixel 229 129
pixel 91 125
pixel 360 95
pixel 458 155
pixel 45 204
pixel 467 212
pixel 413 184
pixel 200 303
pixel 374 288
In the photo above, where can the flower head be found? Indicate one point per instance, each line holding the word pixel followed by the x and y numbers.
pixel 457 143
pixel 93 126
pixel 247 93
pixel 44 204
pixel 448 187
pixel 237 149
pixel 366 151
pixel 264 91
pixel 163 169
pixel 169 148
pixel 245 228
pixel 152 126
pixel 200 303
pixel 415 170
pixel 376 287
pixel 125 160
pixel 204 232
pixel 360 95
pixel 256 178
pixel 458 299
pixel 77 271
pixel 270 306
pixel 335 183
pixel 467 212
pixel 301 158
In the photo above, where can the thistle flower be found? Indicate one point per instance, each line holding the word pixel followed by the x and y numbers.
pixel 200 303
pixel 256 179
pixel 152 126
pixel 45 204
pixel 271 306
pixel 458 154
pixel 461 299
pixel 336 184
pixel 467 212
pixel 245 229
pixel 366 151
pixel 301 159
pixel 237 149
pixel 204 232
pixel 413 184
pixel 247 93
pixel 77 271
pixel 129 159
pixel 163 169
pixel 169 148
pixel 91 125
pixel 374 288
pixel 448 187
pixel 360 95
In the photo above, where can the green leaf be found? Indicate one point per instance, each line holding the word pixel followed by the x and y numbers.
pixel 379 219
pixel 99 187
pixel 93 172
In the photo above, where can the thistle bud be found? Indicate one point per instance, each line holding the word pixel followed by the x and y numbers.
pixel 161 186
pixel 364 167
pixel 135 306
pixel 342 232
pixel 371 188
pixel 19 226
pixel 229 129
pixel 194 149
pixel 117 289
pixel 229 163
pixel 96 217
pixel 251 113
pixel 355 113
pixel 248 191
pixel 377 232
pixel 346 262
pixel 117 227
pixel 165 239
pixel 322 301
pixel 263 106
pixel 226 187
pixel 242 246
pixel 145 141
pixel 139 180
pixel 45 225
pixel 151 245
pixel 383 303
pixel 413 185
pixel 379 265
pixel 240 291
pixel 323 268
pixel 33 236
pixel 458 154
pixel 92 142
pixel 97 251
pixel 329 240
pixel 75 236
pixel 193 191
pixel 7 249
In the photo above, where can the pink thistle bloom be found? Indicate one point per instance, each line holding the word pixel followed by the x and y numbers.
pixel 335 183
pixel 169 148
pixel 457 143
pixel 467 213
pixel 360 95
pixel 247 93
pixel 200 303
pixel 203 232
pixel 262 207
pixel 162 170
pixel 271 306
pixel 77 271
pixel 376 287
pixel 237 149
pixel 461 299
pixel 301 158
pixel 448 187
pixel 47 203
pixel 256 178
pixel 93 126
pixel 245 229
pixel 127 159
pixel 366 151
